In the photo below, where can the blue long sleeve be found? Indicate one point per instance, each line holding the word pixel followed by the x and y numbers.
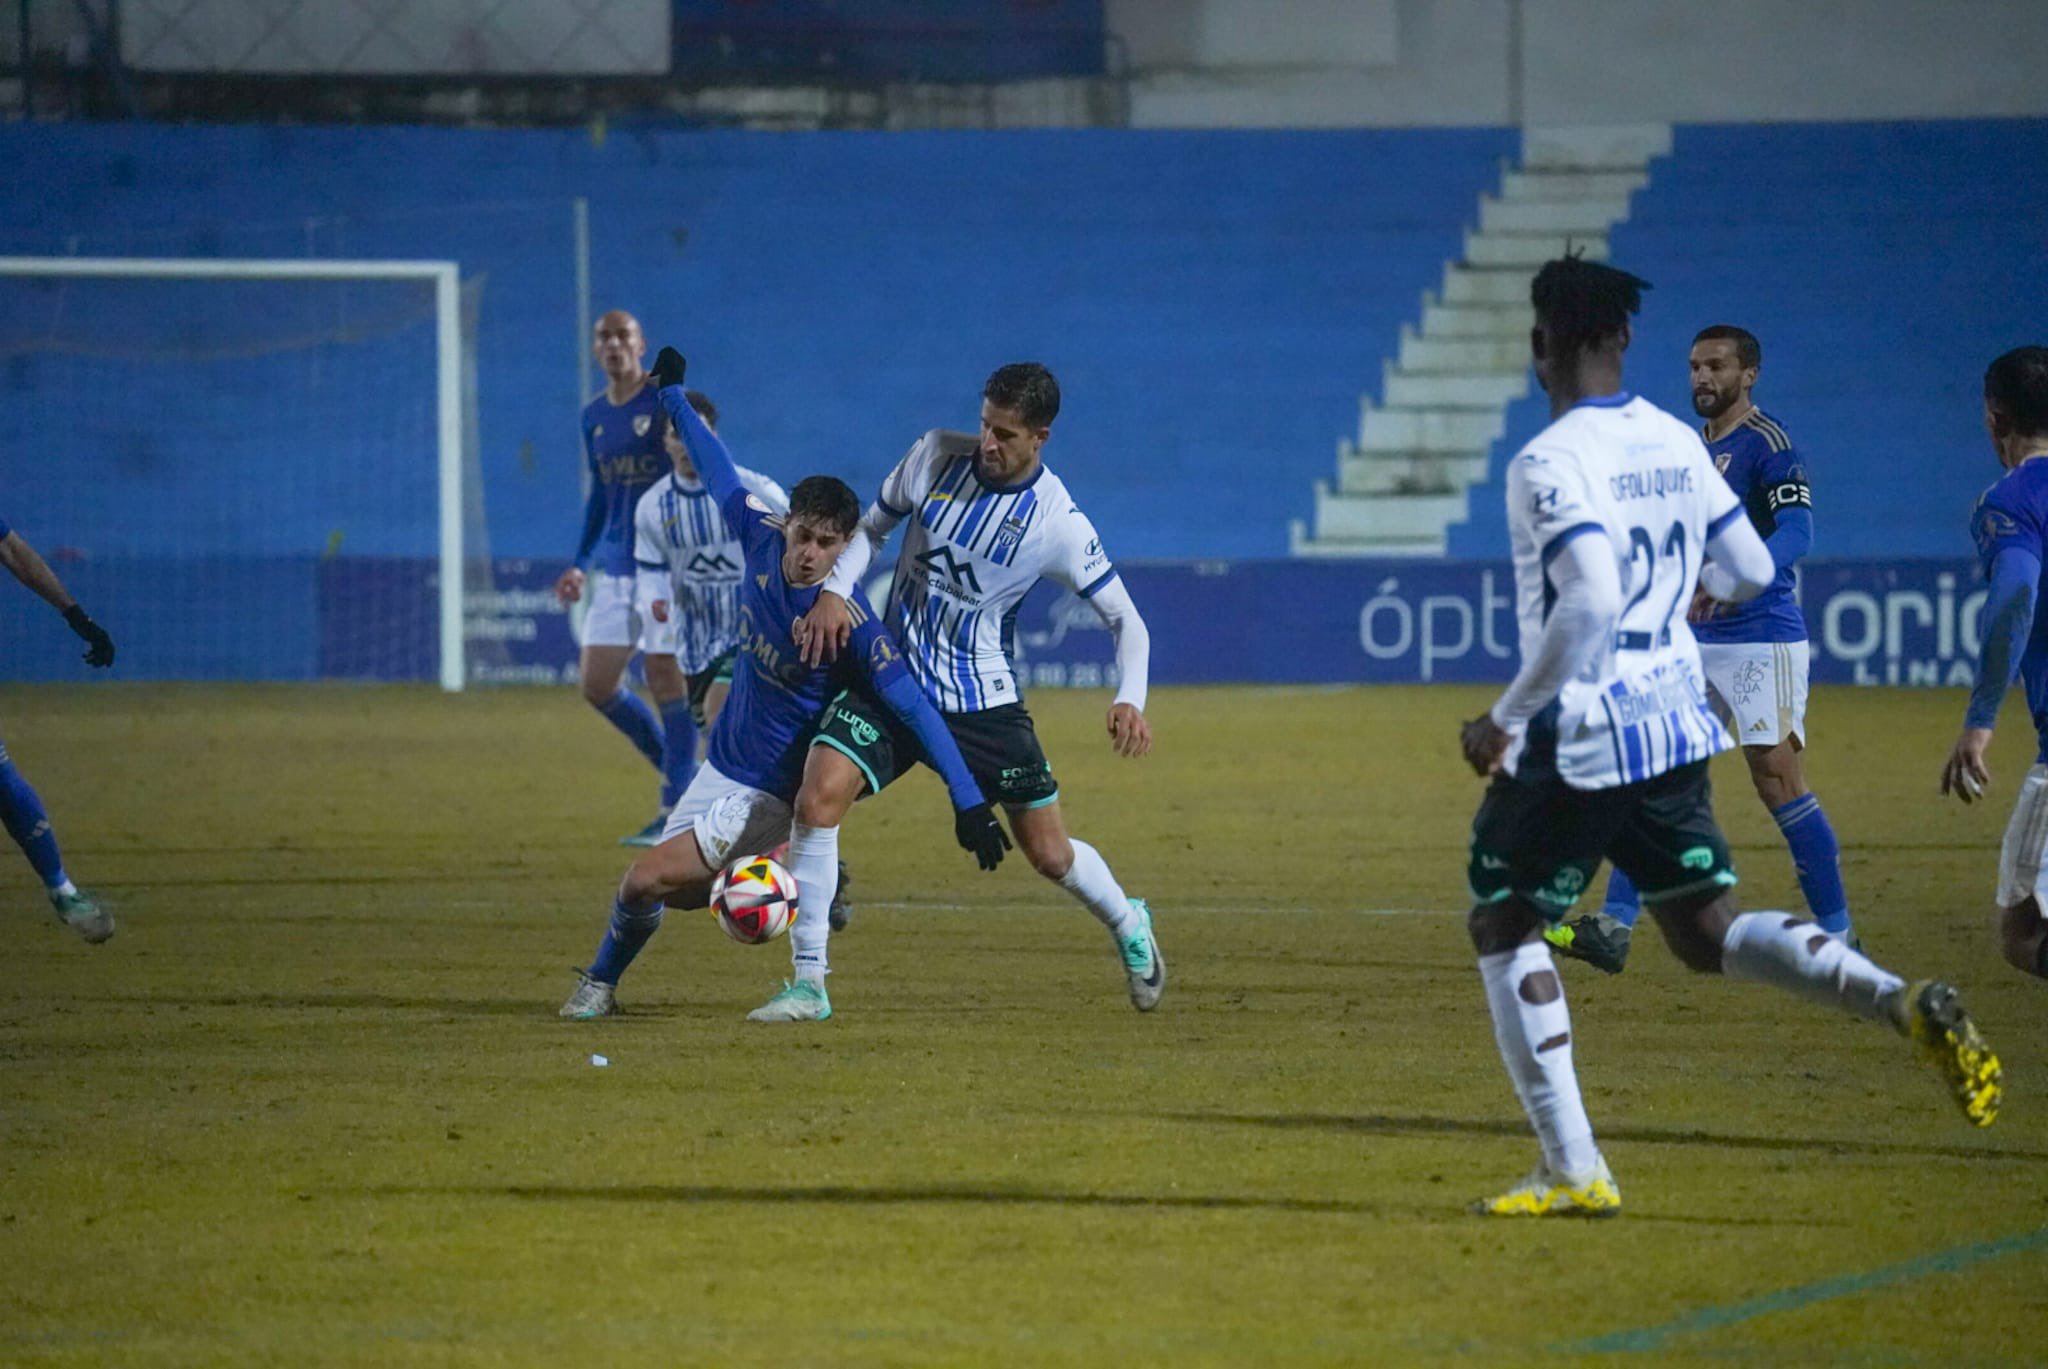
pixel 713 462
pixel 908 702
pixel 2007 620
pixel 1793 537
pixel 593 523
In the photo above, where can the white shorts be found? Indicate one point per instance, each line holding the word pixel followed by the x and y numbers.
pixel 610 615
pixel 2019 855
pixel 656 637
pixel 730 819
pixel 1758 688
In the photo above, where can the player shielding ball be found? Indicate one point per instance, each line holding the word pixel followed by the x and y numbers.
pixel 21 808
pixel 739 802
pixel 1599 747
pixel 985 521
pixel 2011 529
pixel 1754 654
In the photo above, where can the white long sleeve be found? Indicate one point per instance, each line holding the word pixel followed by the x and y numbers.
pixel 1582 617
pixel 1738 565
pixel 1113 604
pixel 868 538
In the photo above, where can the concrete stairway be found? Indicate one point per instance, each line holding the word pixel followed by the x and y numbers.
pixel 1445 397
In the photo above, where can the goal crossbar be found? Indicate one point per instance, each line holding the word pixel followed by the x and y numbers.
pixel 446 279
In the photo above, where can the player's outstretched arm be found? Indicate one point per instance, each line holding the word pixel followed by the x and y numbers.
pixel 1588 603
pixel 2008 621
pixel 28 566
pixel 707 450
pixel 1738 566
pixel 1129 733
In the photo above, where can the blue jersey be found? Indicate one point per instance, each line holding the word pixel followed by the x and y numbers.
pixel 5 531
pixel 764 729
pixel 2014 513
pixel 1768 475
pixel 623 446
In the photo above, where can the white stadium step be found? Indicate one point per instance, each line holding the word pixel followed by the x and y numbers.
pixel 1620 147
pixel 1449 322
pixel 1301 544
pixel 1612 187
pixel 1386 518
pixel 1570 217
pixel 1530 250
pixel 1428 430
pixel 1470 285
pixel 1487 391
pixel 1504 352
pixel 1412 472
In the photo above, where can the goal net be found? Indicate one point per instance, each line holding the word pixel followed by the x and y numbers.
pixel 249 470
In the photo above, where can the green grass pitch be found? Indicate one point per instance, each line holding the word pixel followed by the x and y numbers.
pixel 312 1105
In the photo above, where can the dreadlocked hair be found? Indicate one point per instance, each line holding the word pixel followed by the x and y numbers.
pixel 1584 302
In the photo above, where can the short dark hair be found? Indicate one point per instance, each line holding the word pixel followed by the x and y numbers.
pixel 699 401
pixel 827 501
pixel 1028 388
pixel 2016 385
pixel 1749 353
pixel 1584 303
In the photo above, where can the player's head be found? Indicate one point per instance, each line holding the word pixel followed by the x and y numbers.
pixel 1018 405
pixel 619 346
pixel 1725 360
pixel 2016 403
pixel 823 512
pixel 672 441
pixel 1582 312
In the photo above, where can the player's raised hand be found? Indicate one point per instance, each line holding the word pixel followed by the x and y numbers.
pixel 1129 733
pixel 979 834
pixel 822 634
pixel 1484 743
pixel 99 647
pixel 669 366
pixel 1702 607
pixel 1965 775
pixel 569 586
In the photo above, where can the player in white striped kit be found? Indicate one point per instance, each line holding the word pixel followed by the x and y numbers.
pixel 985 521
pixel 1599 747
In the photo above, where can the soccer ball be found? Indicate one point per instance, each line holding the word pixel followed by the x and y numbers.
pixel 754 899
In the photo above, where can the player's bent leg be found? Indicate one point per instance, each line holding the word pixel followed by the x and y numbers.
pixel 603 673
pixel 671 691
pixel 2023 937
pixel 1601 938
pixel 28 822
pixel 676 870
pixel 1077 867
pixel 1779 776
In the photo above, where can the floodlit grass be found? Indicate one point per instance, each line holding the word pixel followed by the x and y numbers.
pixel 312 1104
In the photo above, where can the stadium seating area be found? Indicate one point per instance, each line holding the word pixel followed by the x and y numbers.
pixel 1882 268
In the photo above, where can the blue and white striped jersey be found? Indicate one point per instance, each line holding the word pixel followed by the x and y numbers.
pixel 682 543
pixel 970 554
pixel 1622 468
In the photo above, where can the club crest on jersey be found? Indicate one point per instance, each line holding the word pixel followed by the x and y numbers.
pixel 1721 461
pixel 1007 538
pixel 641 423
pixel 883 653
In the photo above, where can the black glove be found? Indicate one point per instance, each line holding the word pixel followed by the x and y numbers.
pixel 668 368
pixel 977 830
pixel 99 647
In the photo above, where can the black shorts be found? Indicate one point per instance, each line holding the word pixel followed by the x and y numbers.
pixel 999 745
pixel 699 684
pixel 1538 839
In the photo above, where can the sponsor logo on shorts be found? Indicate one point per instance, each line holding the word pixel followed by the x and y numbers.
pixel 1698 858
pixel 1748 682
pixel 864 732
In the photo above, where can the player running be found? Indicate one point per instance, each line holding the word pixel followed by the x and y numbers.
pixel 987 520
pixel 1753 654
pixel 624 454
pixel 739 802
pixel 21 808
pixel 1599 747
pixel 2011 528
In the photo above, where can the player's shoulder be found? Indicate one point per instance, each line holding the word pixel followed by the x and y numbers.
pixel 647 504
pixel 939 445
pixel 1764 432
pixel 2023 490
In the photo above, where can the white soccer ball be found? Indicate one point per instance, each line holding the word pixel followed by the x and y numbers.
pixel 754 900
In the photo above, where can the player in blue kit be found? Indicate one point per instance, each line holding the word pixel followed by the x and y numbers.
pixel 1753 654
pixel 2011 528
pixel 622 447
pixel 21 809
pixel 740 801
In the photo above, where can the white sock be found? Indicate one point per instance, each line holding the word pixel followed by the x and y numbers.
pixel 814 860
pixel 1791 953
pixel 1089 880
pixel 64 890
pixel 1535 1041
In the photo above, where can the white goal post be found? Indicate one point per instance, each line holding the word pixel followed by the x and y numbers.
pixel 444 277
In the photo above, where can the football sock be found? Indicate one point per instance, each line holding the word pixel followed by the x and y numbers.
pixel 1089 880
pixel 678 749
pixel 814 860
pixel 1623 903
pixel 630 927
pixel 1535 1040
pixel 1817 857
pixel 29 824
pixel 629 713
pixel 1792 953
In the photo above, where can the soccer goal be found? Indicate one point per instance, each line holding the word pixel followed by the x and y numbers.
pixel 262 469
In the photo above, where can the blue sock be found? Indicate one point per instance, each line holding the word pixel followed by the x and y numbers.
pixel 29 824
pixel 629 713
pixel 623 939
pixel 678 749
pixel 1623 903
pixel 1818 859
